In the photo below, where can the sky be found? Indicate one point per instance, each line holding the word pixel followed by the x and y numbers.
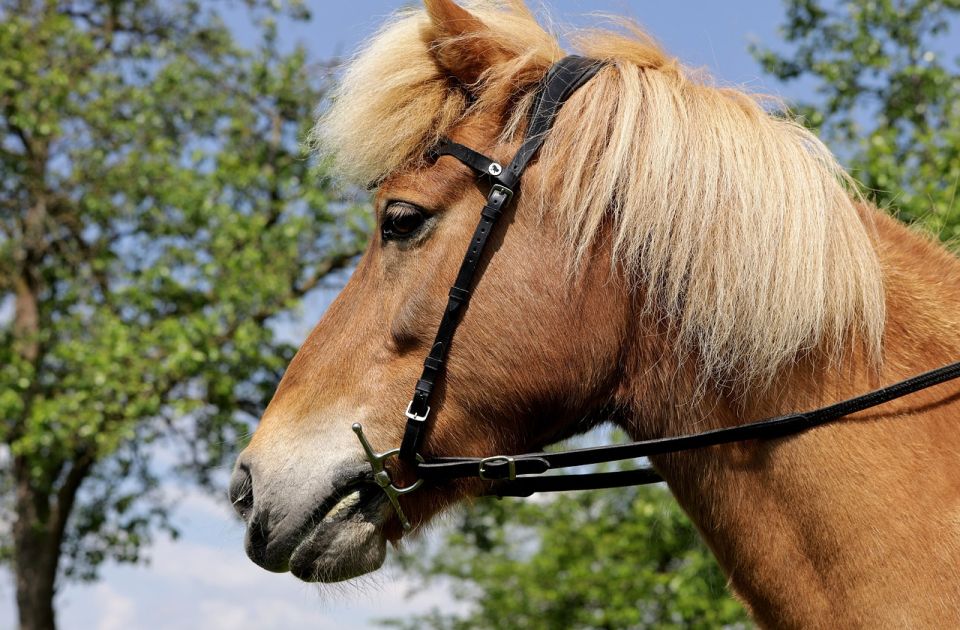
pixel 204 580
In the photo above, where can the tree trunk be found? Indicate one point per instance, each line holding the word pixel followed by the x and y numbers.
pixel 41 510
pixel 36 554
pixel 35 589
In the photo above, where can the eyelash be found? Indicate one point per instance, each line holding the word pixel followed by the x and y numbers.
pixel 403 223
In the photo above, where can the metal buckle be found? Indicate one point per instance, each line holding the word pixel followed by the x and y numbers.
pixel 499 459
pixel 414 416
pixel 503 190
pixel 382 477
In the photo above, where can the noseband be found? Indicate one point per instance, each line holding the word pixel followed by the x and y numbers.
pixel 520 475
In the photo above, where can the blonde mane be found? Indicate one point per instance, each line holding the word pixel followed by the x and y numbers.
pixel 737 225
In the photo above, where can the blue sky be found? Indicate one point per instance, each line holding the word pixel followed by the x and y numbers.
pixel 702 33
pixel 204 580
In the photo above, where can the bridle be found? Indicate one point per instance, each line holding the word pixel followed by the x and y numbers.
pixel 523 475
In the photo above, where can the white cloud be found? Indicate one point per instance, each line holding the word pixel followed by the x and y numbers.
pixel 261 613
pixel 203 565
pixel 194 583
pixel 117 612
pixel 8 613
pixel 192 502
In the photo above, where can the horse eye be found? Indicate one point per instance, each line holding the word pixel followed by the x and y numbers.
pixel 401 221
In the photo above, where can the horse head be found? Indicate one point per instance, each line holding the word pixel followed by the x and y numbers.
pixel 632 273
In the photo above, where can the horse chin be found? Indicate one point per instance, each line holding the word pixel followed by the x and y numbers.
pixel 347 543
pixel 337 554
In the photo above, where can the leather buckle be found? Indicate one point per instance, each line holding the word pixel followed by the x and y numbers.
pixel 499 459
pixel 503 190
pixel 412 416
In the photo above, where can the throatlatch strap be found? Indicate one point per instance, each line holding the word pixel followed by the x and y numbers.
pixel 564 78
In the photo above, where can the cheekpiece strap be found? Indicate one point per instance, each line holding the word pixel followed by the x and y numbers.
pixel 563 79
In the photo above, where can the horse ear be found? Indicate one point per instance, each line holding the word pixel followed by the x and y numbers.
pixel 462 44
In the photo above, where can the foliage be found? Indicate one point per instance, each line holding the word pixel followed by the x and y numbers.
pixel 889 96
pixel 624 558
pixel 156 213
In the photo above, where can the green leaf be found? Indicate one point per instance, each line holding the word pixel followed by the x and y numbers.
pixel 171 216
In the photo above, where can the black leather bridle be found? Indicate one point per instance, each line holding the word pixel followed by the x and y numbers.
pixel 523 475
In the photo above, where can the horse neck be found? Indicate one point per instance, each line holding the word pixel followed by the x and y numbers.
pixel 856 523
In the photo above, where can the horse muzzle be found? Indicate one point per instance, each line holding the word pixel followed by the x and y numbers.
pixel 331 532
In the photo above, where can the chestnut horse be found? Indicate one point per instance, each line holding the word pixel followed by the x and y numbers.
pixel 677 254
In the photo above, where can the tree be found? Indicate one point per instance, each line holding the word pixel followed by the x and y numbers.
pixel 155 214
pixel 623 558
pixel 889 97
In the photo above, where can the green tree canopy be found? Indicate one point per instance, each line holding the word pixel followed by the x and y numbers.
pixel 889 96
pixel 155 213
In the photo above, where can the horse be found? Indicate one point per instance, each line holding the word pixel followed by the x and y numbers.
pixel 680 257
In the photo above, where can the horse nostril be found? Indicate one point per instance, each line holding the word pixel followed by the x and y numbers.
pixel 241 491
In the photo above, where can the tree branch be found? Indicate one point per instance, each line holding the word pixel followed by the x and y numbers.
pixel 67 494
pixel 333 263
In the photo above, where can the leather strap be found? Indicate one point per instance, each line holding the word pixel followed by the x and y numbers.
pixel 564 78
pixel 526 486
pixel 419 409
pixel 508 470
pixel 481 164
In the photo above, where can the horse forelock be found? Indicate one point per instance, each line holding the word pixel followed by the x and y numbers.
pixel 735 223
pixel 394 101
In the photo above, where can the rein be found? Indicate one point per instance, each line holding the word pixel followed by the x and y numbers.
pixel 520 475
